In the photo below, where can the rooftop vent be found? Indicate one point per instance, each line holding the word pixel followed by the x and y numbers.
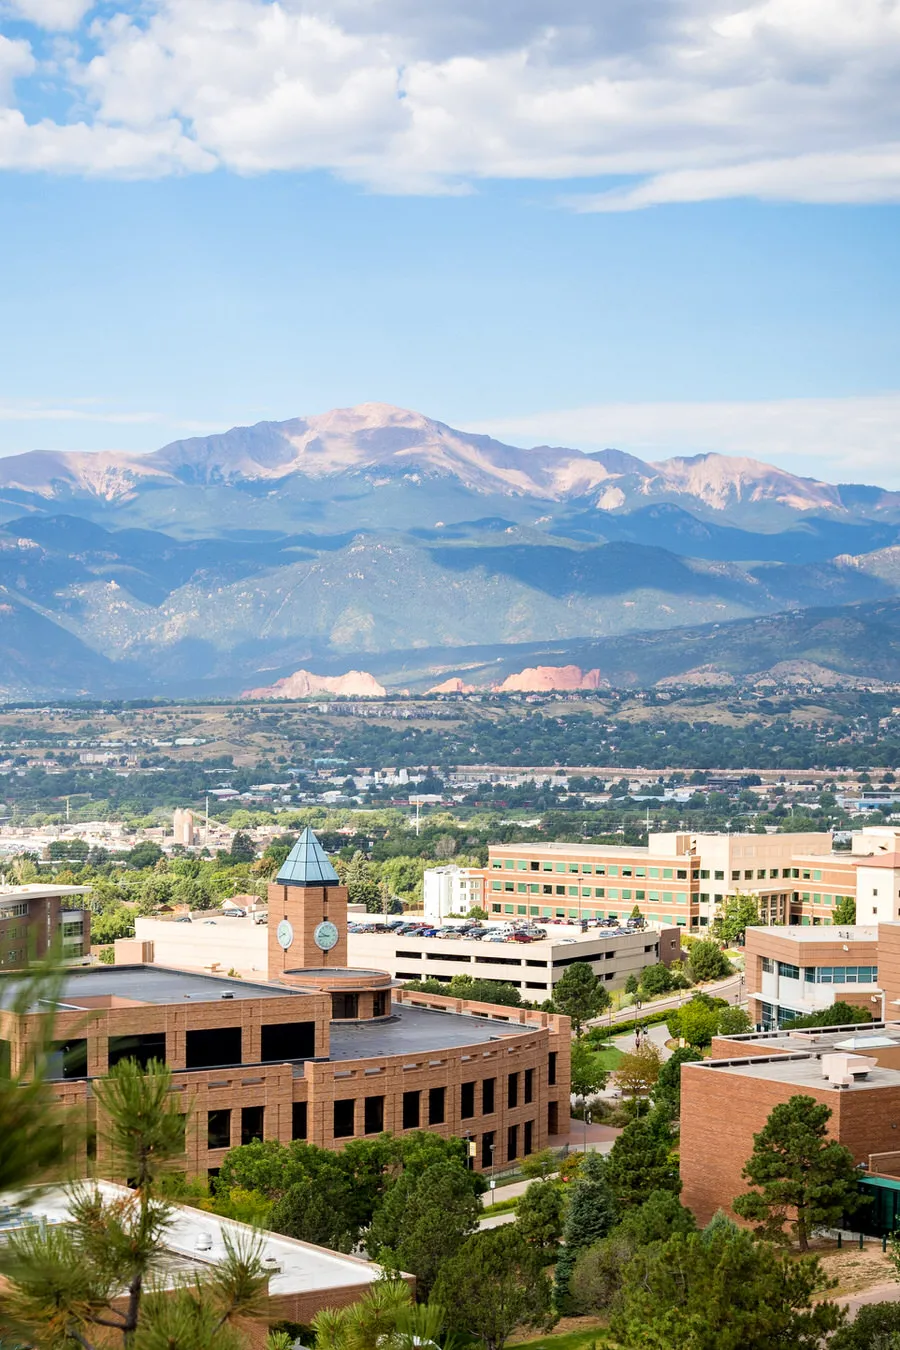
pixel 228 995
pixel 843 1070
pixel 272 1265
pixel 203 1242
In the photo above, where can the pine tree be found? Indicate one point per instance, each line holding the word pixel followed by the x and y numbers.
pixel 589 1217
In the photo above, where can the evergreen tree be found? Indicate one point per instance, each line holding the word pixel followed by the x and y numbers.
pixel 639 1162
pixel 845 911
pixel 579 994
pixel 494 1284
pixel 423 1221
pixel 539 1217
pixel 666 1092
pixel 590 1215
pixel 800 1177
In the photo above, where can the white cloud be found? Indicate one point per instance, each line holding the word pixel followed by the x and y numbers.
pixel 52 14
pixel 689 99
pixel 836 439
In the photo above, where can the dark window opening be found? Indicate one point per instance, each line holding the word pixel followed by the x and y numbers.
pixel 467 1101
pixel 529 1086
pixel 374 1113
pixel 344 1113
pixel 487 1148
pixel 206 1049
pixel 487 1096
pixel 553 1117
pixel 218 1129
pixel 141 1048
pixel 283 1041
pixel 551 1068
pixel 344 1006
pixel 381 1004
pixel 512 1090
pixel 512 1143
pixel 68 1059
pixel 528 1142
pixel 436 1112
pixel 298 1120
pixel 411 1110
pixel 252 1118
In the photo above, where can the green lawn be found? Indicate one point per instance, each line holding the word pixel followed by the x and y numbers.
pixel 608 1059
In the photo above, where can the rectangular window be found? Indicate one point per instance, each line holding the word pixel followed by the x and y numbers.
pixel 374 1115
pixel 411 1111
pixel 213 1048
pixel 436 1108
pixel 344 1113
pixel 467 1101
pixel 381 1004
pixel 218 1129
pixel 788 970
pixel 529 1086
pixel 252 1119
pixel 551 1069
pixel 512 1143
pixel 298 1120
pixel 487 1148
pixel 487 1096
pixel 281 1042
pixel 512 1090
pixel 140 1048
pixel 68 1059
pixel 528 1140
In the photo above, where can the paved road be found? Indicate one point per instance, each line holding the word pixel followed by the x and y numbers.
pixel 733 989
pixel 879 1293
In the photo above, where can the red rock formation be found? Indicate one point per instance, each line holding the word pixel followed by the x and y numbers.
pixel 355 684
pixel 547 679
pixel 453 686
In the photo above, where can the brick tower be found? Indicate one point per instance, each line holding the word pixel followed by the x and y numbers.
pixel 307 912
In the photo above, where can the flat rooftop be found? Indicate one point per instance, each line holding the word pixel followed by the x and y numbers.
pixel 802 1071
pixel 194 1240
pixel 857 932
pixel 38 892
pixel 418 1031
pixel 812 1040
pixel 119 986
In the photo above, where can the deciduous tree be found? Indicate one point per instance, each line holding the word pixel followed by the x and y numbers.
pixel 707 961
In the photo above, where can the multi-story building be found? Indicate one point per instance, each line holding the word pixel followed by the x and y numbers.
pixel 319 1051
pixel 678 879
pixel 34 919
pixel 533 968
pixel 683 879
pixel 793 971
pixel 854 1070
pixel 451 890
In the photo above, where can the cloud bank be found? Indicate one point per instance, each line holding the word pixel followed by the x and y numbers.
pixel 665 100
pixel 841 440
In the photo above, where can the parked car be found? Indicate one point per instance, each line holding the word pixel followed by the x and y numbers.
pixel 260 918
pixel 234 913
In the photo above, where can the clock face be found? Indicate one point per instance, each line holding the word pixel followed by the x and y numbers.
pixel 325 935
pixel 285 934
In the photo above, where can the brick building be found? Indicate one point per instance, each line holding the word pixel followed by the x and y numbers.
pixel 683 879
pixel 727 1099
pixel 34 918
pixel 791 972
pixel 321 1051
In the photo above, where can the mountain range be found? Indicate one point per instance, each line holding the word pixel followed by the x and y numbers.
pixel 370 536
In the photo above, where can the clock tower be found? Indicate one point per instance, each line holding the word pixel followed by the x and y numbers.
pixel 307 912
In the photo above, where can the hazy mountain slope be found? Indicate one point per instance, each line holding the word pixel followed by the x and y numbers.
pixel 236 558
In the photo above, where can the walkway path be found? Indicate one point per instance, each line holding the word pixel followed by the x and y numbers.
pixel 658 1034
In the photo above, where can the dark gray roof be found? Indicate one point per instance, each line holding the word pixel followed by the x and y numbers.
pixel 145 984
pixel 307 864
pixel 417 1031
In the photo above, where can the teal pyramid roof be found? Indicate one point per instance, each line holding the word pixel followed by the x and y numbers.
pixel 307 864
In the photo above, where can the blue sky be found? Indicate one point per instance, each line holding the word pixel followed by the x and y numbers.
pixel 674 230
